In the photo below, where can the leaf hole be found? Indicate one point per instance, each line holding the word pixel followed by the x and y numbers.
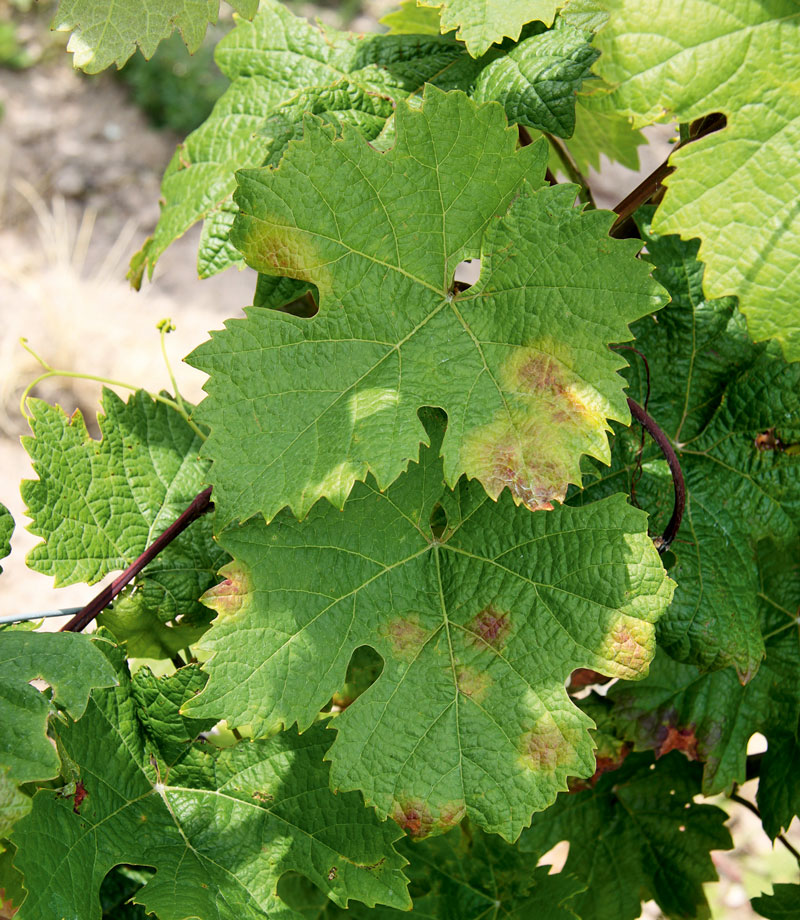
pixel 438 522
pixel 365 667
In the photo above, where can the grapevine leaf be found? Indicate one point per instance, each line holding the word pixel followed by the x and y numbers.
pixel 732 409
pixel 99 504
pixel 282 68
pixel 711 716
pixel 478 628
pixel 72 666
pixel 737 188
pixel 301 409
pixel 536 80
pixel 636 835
pixel 465 874
pixel 481 23
pixel 158 701
pixel 106 33
pixel 778 793
pixel 269 61
pixel 782 904
pixel 219 827
pixel 11 890
pixel 411 19
pixel 6 529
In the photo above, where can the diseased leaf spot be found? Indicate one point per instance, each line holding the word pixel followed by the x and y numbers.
pixel 548 419
pixel 546 747
pixel 629 644
pixel 492 626
pixel 672 738
pixel 473 684
pixel 406 637
pixel 230 596
pixel 80 796
pixel 414 817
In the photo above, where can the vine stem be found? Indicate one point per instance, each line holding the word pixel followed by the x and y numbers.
pixel 645 190
pixel 51 371
pixel 571 169
pixel 740 800
pixel 199 506
pixel 663 542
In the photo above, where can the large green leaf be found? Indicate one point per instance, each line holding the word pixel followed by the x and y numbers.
pixel 735 189
pixel 283 68
pixel 732 410
pixel 219 827
pixel 72 666
pixel 6 529
pixel 301 409
pixel 464 875
pixel 636 835
pixel 481 23
pixel 778 794
pixel 105 33
pixel 99 504
pixel 411 19
pixel 479 610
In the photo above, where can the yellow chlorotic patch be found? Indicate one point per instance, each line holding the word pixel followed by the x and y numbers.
pixel 628 647
pixel 406 637
pixel 230 596
pixel 550 419
pixel 365 403
pixel 472 683
pixel 546 747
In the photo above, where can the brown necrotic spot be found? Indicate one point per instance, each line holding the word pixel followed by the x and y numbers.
pixel 491 626
pixel 472 683
pixel 406 637
pixel 414 816
pixel 546 747
pixel 230 596
pixel 549 417
pixel 672 738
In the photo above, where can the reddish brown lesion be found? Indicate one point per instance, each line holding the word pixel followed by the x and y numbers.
pixel 414 816
pixel 79 797
pixel 491 626
pixel 418 820
pixel 672 738
pixel 604 764
pixel 546 748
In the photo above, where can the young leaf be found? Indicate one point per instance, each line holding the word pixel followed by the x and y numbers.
pixel 737 188
pixel 300 409
pixel 106 33
pixel 98 505
pixel 6 529
pixel 601 130
pixel 732 410
pixel 72 665
pixel 636 835
pixel 465 874
pixel 479 621
pixel 481 23
pixel 219 828
pixel 782 904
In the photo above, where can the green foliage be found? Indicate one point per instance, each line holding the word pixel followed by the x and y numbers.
pixel 469 715
pixel 72 665
pixel 220 827
pixel 737 188
pixel 98 505
pixel 106 33
pixel 175 89
pixel 782 904
pixel 523 403
pixel 424 547
pixel 634 835
pixel 6 529
pixel 480 23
